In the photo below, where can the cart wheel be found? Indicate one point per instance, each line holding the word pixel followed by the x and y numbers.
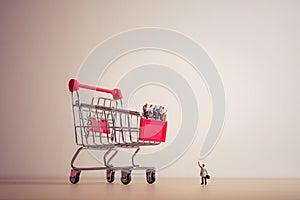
pixel 126 177
pixel 75 176
pixel 150 176
pixel 110 175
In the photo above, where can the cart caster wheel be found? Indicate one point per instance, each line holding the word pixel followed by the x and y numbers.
pixel 75 176
pixel 126 177
pixel 110 175
pixel 150 176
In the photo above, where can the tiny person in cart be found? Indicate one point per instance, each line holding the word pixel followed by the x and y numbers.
pixel 203 173
pixel 145 110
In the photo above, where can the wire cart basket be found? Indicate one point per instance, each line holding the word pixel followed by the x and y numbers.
pixel 103 124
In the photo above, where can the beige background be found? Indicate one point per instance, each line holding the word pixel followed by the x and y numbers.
pixel 254 45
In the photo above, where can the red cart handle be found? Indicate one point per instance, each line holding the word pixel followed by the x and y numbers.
pixel 74 85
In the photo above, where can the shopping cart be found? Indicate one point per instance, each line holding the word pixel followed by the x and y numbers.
pixel 103 124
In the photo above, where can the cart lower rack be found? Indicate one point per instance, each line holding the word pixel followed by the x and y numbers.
pixel 103 124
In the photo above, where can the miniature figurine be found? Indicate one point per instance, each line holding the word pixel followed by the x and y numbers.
pixel 145 110
pixel 203 173
pixel 150 111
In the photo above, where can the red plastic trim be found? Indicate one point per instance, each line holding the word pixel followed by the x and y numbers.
pixel 74 85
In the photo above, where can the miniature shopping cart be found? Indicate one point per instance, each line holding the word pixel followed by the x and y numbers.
pixel 102 123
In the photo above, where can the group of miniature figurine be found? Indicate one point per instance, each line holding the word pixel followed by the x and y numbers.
pixel 154 112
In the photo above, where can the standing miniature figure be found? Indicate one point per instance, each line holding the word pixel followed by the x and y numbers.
pixel 161 113
pixel 203 173
pixel 150 111
pixel 155 113
pixel 164 115
pixel 145 110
